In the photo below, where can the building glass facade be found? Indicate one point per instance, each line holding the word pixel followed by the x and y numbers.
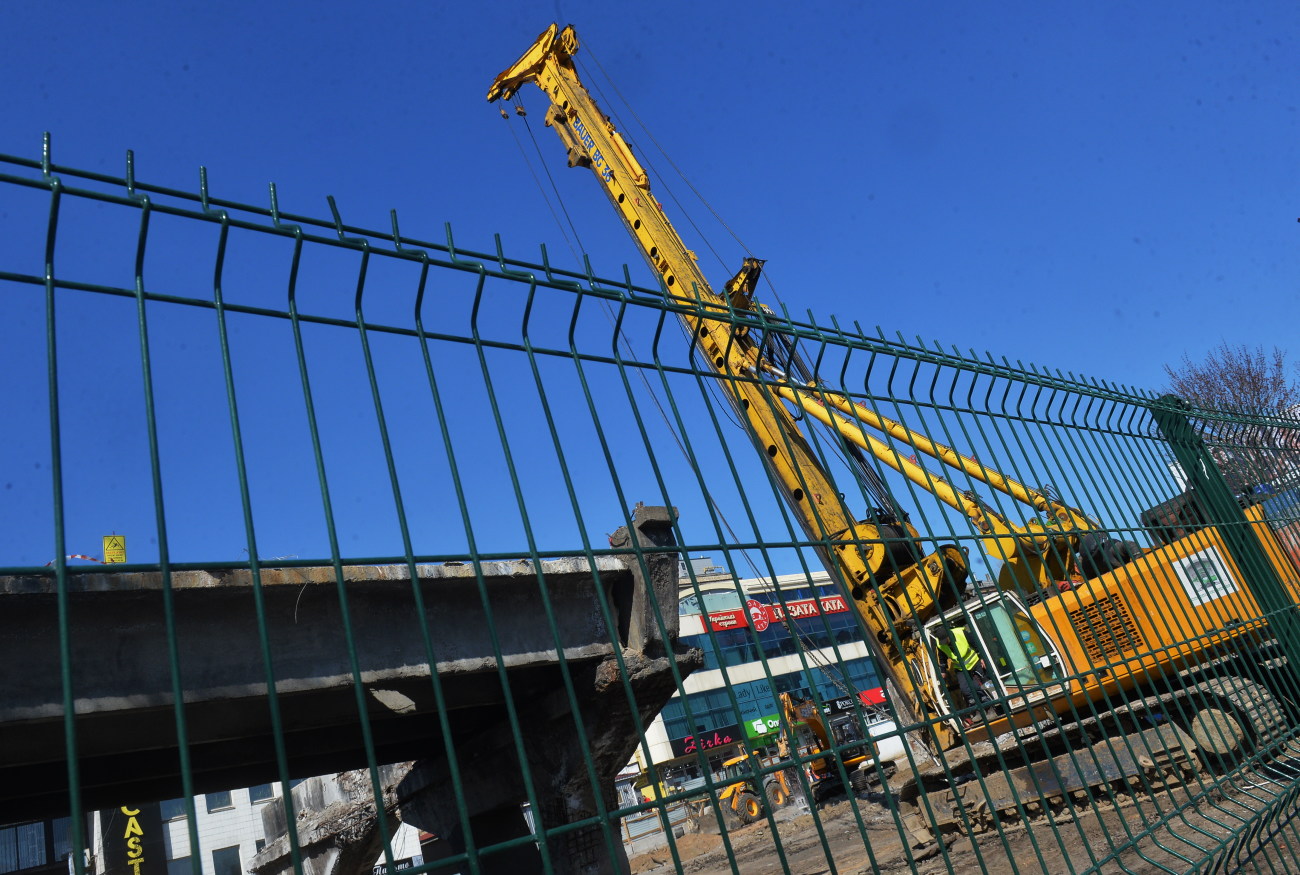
pixel 712 710
pixel 35 845
pixel 800 625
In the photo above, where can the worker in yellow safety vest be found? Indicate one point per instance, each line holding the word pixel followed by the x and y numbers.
pixel 964 661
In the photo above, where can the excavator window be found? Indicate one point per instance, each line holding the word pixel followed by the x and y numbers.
pixel 807 740
pixel 845 729
pixel 1018 654
pixel 736 771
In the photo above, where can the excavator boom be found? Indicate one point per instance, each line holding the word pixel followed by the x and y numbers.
pixel 1036 556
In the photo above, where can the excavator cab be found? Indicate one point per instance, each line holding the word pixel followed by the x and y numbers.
pixel 1020 656
pixel 1022 664
pixel 848 736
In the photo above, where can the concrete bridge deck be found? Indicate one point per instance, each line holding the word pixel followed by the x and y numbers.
pixel 478 619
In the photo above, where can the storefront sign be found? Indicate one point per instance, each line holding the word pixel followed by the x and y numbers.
pixel 874 696
pixel 761 615
pixel 797 610
pixel 705 740
pixel 721 621
pixel 761 726
pixel 133 840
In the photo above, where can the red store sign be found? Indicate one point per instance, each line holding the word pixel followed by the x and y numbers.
pixel 761 615
pixel 724 620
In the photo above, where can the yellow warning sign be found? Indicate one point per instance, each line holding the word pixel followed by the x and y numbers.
pixel 114 548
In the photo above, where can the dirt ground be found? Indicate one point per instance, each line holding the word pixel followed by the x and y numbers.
pixel 862 835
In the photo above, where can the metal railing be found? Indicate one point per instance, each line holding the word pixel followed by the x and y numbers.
pixel 240 391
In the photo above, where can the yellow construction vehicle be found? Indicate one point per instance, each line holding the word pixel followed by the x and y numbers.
pixel 810 736
pixel 891 586
pixel 741 800
pixel 1072 641
pixel 821 737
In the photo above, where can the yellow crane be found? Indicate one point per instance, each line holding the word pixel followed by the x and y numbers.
pixel 1095 649
pixel 891 585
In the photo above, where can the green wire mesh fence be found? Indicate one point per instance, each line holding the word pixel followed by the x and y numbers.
pixel 453 561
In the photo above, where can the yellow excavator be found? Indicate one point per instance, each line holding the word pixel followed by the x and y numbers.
pixel 1090 642
pixel 823 738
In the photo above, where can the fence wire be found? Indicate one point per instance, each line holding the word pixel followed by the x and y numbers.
pixel 444 560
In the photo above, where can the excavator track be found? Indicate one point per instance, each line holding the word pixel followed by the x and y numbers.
pixel 1251 702
pixel 1006 786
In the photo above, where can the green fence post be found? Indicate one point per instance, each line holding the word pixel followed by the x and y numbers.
pixel 1207 482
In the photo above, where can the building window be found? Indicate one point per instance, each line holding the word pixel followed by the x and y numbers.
pixel 22 846
pixel 8 849
pixel 260 793
pixel 62 838
pixel 180 866
pixel 170 809
pixel 225 861
pixel 217 801
pixel 258 845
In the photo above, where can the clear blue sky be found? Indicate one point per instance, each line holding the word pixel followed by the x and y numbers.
pixel 1099 188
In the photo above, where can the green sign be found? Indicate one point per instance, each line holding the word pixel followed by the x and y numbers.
pixel 760 726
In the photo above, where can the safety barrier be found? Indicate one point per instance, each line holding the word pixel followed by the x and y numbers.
pixel 467 533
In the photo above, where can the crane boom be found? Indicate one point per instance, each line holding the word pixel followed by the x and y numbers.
pixel 893 587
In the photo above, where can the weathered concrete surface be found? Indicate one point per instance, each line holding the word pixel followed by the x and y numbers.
pixel 122 680
pixel 482 805
pixel 338 823
pixel 565 787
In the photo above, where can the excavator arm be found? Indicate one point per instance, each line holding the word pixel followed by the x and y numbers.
pixel 1037 556
pixel 893 587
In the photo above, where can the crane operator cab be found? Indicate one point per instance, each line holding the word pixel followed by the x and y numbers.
pixel 990 653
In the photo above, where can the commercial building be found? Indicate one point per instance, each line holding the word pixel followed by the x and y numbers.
pixel 761 637
pixel 36 847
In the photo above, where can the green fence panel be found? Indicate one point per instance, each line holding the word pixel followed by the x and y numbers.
pixel 444 559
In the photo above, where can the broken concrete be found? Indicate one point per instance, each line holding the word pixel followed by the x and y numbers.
pixel 559 753
pixel 521 631
pixel 337 823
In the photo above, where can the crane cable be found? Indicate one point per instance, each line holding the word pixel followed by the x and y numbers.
pixel 776 297
pixel 667 158
pixel 871 480
pixel 593 83
pixel 664 186
pixel 549 177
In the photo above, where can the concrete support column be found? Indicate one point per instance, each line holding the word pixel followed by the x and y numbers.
pixel 338 824
pixel 572 770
